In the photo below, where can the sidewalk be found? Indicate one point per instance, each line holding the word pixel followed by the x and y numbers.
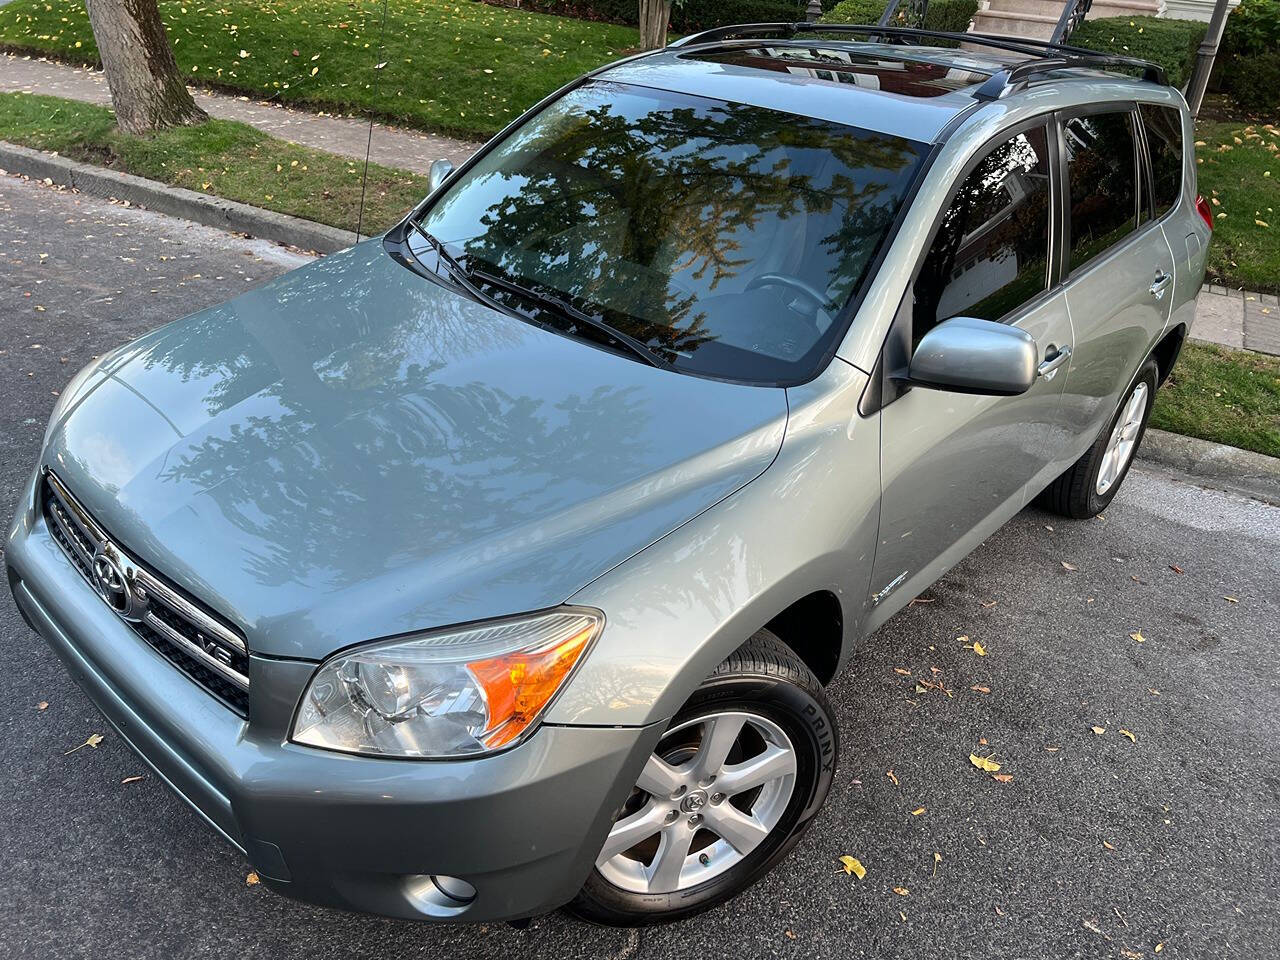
pixel 392 146
pixel 1231 318
pixel 1238 319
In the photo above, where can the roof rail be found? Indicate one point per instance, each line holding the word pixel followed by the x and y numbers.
pixel 1047 56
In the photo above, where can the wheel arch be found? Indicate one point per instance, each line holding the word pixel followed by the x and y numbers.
pixel 813 628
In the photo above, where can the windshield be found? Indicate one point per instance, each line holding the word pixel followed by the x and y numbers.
pixel 724 238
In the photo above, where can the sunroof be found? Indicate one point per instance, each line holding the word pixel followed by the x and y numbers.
pixel 911 78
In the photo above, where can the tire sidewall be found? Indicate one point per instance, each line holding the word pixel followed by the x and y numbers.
pixel 1148 374
pixel 806 720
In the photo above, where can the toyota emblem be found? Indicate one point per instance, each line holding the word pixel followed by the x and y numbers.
pixel 112 585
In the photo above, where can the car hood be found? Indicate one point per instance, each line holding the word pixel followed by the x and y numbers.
pixel 353 451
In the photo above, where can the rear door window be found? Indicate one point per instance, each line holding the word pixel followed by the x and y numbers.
pixel 1163 127
pixel 1102 182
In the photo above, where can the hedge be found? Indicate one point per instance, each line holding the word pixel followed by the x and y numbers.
pixel 1170 43
pixel 1248 64
pixel 952 16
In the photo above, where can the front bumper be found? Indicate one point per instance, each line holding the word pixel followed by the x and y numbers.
pixel 522 827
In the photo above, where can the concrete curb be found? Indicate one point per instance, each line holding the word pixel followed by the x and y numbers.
pixel 1215 464
pixel 174 201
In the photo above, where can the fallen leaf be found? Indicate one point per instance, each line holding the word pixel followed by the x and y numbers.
pixel 903 916
pixel 905 673
pixel 1099 730
pixel 1107 845
pixel 93 741
pixel 1159 946
pixel 984 763
pixel 937 859
pixel 1052 749
pixel 1137 635
pixel 999 912
pixel 982 741
pixel 902 891
pixel 133 779
pixel 987 605
pixel 1130 954
pixel 892 776
pixel 979 649
pixel 917 811
pixel 42 705
pixel 788 934
pixel 1175 568
pixel 1130 736
pixel 251 879
pixel 1002 777
pixel 1068 566
pixel 1231 599
pixel 853 865
pixel 980 688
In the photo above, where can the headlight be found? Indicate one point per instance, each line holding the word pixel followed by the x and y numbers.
pixel 447 694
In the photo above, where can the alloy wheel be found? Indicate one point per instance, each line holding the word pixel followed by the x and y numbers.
pixel 1124 437
pixel 708 796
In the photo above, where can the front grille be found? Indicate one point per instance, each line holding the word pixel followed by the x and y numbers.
pixel 194 640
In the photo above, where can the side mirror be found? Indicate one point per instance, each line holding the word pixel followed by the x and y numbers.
pixel 437 174
pixel 969 355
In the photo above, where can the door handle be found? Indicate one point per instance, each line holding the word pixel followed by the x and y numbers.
pixel 1052 361
pixel 1162 281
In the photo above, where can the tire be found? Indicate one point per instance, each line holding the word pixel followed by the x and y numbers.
pixel 767 684
pixel 1076 493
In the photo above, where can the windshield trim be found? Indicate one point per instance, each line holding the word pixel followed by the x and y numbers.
pixel 396 240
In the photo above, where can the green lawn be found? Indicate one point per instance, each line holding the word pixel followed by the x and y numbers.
pixel 457 67
pixel 1238 166
pixel 225 159
pixel 1227 396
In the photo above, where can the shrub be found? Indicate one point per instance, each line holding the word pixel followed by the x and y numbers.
pixel 1170 43
pixel 952 16
pixel 1253 82
pixel 1248 64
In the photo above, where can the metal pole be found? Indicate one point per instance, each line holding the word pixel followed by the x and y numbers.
pixel 1205 56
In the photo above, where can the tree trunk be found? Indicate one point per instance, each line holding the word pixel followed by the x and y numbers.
pixel 654 15
pixel 147 91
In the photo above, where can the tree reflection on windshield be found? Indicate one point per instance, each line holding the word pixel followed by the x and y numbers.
pixel 725 237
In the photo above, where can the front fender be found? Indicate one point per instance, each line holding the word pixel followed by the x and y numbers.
pixel 679 607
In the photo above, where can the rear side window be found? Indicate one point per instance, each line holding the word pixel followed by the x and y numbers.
pixel 1163 126
pixel 990 254
pixel 1102 179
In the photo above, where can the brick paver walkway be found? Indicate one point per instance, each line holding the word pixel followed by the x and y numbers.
pixel 1238 318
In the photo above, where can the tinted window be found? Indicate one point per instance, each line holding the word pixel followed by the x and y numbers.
pixel 1163 126
pixel 724 237
pixel 1101 167
pixel 990 254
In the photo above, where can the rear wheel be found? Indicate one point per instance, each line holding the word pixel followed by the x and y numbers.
pixel 726 794
pixel 1089 485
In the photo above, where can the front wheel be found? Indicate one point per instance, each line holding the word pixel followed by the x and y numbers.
pixel 726 794
pixel 1089 485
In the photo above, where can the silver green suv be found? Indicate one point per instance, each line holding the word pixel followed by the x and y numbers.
pixel 499 563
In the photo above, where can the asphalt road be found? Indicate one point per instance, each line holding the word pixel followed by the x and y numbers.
pixel 1099 846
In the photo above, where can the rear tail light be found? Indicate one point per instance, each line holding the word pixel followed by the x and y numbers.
pixel 1205 211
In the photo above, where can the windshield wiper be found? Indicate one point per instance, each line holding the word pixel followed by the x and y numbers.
pixel 459 273
pixel 466 277
pixel 571 313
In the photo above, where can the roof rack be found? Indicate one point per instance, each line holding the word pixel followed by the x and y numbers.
pixel 1046 56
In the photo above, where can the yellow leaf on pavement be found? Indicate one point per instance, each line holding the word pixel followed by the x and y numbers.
pixel 853 865
pixel 251 879
pixel 902 891
pixel 1137 635
pixel 917 811
pixel 1126 733
pixel 979 649
pixel 984 763
pixel 1099 730
pixel 93 741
